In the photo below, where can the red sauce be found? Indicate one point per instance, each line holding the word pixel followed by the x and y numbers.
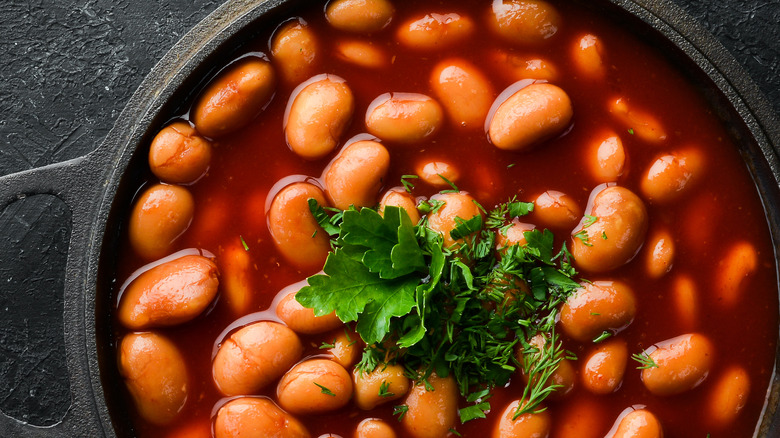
pixel 722 209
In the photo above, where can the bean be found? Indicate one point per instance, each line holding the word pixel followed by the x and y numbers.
pixel 255 416
pixel 556 210
pixel 529 425
pixel 295 231
pixel 171 293
pixel 155 375
pixel 302 319
pixel 398 197
pixel 346 346
pixel 178 154
pixel 435 31
pixel 729 396
pixel 525 22
pixel 294 48
pixel 530 115
pixel 640 423
pixel 363 16
pixel 437 173
pixel 682 364
pixel 513 235
pixel 597 307
pixel 516 67
pixel 564 377
pixel 587 55
pixel 735 270
pixel 362 53
pixel 456 205
pixel 686 301
pixel 237 289
pixel 355 176
pixel 464 91
pixel 318 116
pixel 254 356
pixel 639 122
pixel 612 232
pixel 602 372
pixel 606 157
pixel 314 386
pixel 404 117
pixel 374 428
pixel 433 413
pixel 160 215
pixel 383 384
pixel 235 97
pixel 660 254
pixel 672 174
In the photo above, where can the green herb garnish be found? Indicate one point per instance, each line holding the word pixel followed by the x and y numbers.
pixel 645 361
pixel 325 390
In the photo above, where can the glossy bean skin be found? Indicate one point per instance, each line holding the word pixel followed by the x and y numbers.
pixel 398 197
pixel 254 356
pixel 603 369
pixel 683 363
pixel 456 205
pixel 431 414
pixel 295 51
pixel 606 158
pixel 640 123
pixel 526 22
pixel 464 91
pixel 362 16
pixel 588 56
pixel 368 384
pixel 564 376
pixel 514 235
pixel 640 423
pixel 155 375
pixel 178 154
pixel 556 209
pixel 528 425
pixel 255 416
pixel 597 307
pixel 671 174
pixel 236 281
pixel 529 116
pixel 516 67
pixel 160 215
pixel 318 116
pixel 617 233
pixel 235 97
pixel 362 53
pixel 729 396
pixel 356 175
pixel 302 390
pixel 347 346
pixel 301 319
pixel 437 173
pixel 295 231
pixel 660 254
pixel 169 294
pixel 374 428
pixel 435 31
pixel 404 117
pixel 735 270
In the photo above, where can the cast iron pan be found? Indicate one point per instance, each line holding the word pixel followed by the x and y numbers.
pixel 99 187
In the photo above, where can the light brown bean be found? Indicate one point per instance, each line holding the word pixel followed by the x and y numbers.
pixel 587 54
pixel 612 232
pixel 729 396
pixel 514 235
pixel 671 175
pixel 404 117
pixel 178 154
pixel 379 386
pixel 556 209
pixel 683 363
pixel 346 346
pixel 302 319
pixel 437 173
pixel 660 254
pixel 435 31
pixel 603 369
pixel 529 425
pixel 638 122
pixel 235 97
pixel 314 386
pixel 254 356
pixel 255 416
pixel 295 231
pixel 564 377
pixel 155 375
pixel 374 428
pixel 606 157
pixel 530 115
pixel 515 67
pixel 318 116
pixel 735 270
pixel 363 16
pixel 640 423
pixel 171 293
pixel 398 197
pixel 295 51
pixel 362 53
pixel 597 307
pixel 236 280
pixel 431 413
pixel 160 215
pixel 525 22
pixel 356 175
pixel 464 91
pixel 456 205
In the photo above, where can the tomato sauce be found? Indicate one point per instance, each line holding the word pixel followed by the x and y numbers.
pixel 722 209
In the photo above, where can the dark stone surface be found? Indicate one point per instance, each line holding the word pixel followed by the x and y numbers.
pixel 68 67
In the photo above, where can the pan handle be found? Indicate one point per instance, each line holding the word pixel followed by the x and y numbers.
pixel 79 183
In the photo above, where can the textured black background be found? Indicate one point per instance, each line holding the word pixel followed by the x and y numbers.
pixel 67 68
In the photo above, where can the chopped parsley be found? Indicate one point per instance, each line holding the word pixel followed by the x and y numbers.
pixel 243 243
pixel 325 390
pixel 383 389
pixel 408 185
